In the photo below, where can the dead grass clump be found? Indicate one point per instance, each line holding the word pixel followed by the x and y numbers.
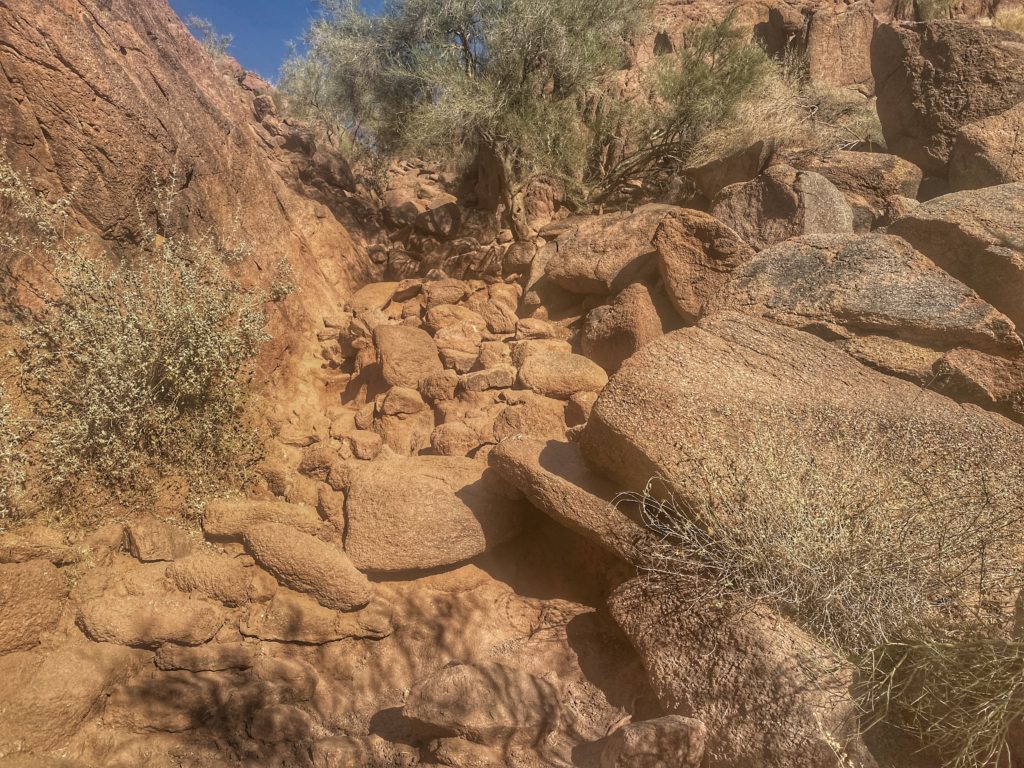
pixel 12 473
pixel 1011 19
pixel 873 540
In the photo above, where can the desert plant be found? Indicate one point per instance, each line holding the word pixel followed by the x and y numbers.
pixel 135 364
pixel 1011 19
pixel 215 43
pixel 872 544
pixel 505 78
pixel 11 456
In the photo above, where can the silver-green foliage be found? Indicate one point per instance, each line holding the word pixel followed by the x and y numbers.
pixel 215 43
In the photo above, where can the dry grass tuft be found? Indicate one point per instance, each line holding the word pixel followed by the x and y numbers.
pixel 1011 19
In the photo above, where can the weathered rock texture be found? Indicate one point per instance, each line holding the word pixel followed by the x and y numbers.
pixel 934 78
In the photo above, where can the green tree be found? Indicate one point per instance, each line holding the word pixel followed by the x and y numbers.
pixel 507 80
pixel 207 34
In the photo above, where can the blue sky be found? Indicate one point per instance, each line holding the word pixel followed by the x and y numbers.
pixel 262 28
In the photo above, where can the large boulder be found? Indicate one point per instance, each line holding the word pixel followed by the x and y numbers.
pixel 32 596
pixel 878 187
pixel 782 203
pixel 229 518
pixel 222 578
pixel 769 696
pixel 838 46
pixel 561 375
pixel 604 254
pixel 987 152
pixel 47 697
pixel 673 740
pixel 699 395
pixel 697 254
pixel 407 355
pixel 489 704
pixel 307 564
pixel 936 77
pixel 613 332
pixel 978 237
pixel 866 284
pixel 426 512
pixel 990 381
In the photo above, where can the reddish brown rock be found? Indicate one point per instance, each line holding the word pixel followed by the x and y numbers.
pixel 152 540
pixel 782 203
pixel 228 518
pixel 673 740
pixel 838 46
pixel 222 578
pixel 407 355
pixel 212 657
pixel 149 619
pixel 32 596
pixel 696 255
pixel 613 332
pixel 989 151
pixel 294 618
pixel 991 381
pixel 427 512
pixel 560 375
pixel 936 77
pixel 306 564
pixel 35 542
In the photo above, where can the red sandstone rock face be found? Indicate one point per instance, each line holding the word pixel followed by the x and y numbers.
pixel 100 97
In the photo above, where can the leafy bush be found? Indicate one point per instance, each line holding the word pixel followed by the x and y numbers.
pixel 215 43
pixel 901 560
pixel 507 79
pixel 135 365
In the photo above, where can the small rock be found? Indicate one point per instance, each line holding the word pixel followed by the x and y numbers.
pixel 491 378
pixel 32 596
pixel 561 376
pixel 228 518
pixel 400 400
pixel 151 540
pixel 366 445
pixel 149 620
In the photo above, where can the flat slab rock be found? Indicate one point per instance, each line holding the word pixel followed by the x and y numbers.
pixel 427 512
pixel 295 618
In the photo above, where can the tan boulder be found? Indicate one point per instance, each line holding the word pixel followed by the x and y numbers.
pixel 988 152
pixel 149 619
pixel 406 434
pixel 501 377
pixel 401 401
pixel 489 704
pixel 295 618
pixel 933 78
pixel 459 345
pixel 228 518
pixel 838 46
pixel 978 237
pixel 307 564
pixel 32 597
pixel 152 540
pixel 444 315
pixel 531 414
pixel 561 375
pixel 769 695
pixel 372 296
pixel 862 285
pixel 521 350
pixel 221 578
pixel 672 740
pixel 407 355
pixel 782 203
pixel 35 542
pixel 696 255
pixel 613 332
pixel 991 381
pixel 441 386
pixel 455 438
pixel 877 186
pixel 426 512
pixel 366 445
pixel 604 254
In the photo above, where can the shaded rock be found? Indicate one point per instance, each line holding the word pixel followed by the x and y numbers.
pixel 613 332
pixel 577 411
pixel 366 445
pixel 535 328
pixel 604 254
pixel 35 542
pixel 489 704
pixel 696 255
pixel 307 564
pixel 460 753
pixel 988 152
pixel 294 618
pixel 407 355
pixel 443 222
pixel 152 540
pixel 978 237
pixel 48 696
pixel 222 578
pixel 935 77
pixel 993 382
pixel 150 619
pixel 559 375
pixel 838 47
pixel 228 518
pixel 741 166
pixel 427 512
pixel 282 724
pixel 556 480
pixel 32 596
pixel 455 439
pixel 402 401
pixel 782 203
pixel 536 416
pixel 667 741
pixel 491 378
pixel 441 386
pixel 212 657
pixel 767 693
pixel 865 284
pixel 372 296
pixel 875 185
pixel 406 434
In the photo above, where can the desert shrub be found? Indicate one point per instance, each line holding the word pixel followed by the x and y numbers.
pixel 11 457
pixel 901 560
pixel 507 79
pixel 1011 19
pixel 215 43
pixel 135 365
pixel 723 93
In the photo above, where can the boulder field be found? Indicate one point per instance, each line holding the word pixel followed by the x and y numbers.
pixel 444 560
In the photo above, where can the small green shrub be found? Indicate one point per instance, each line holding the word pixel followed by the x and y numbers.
pixel 215 43
pixel 136 366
